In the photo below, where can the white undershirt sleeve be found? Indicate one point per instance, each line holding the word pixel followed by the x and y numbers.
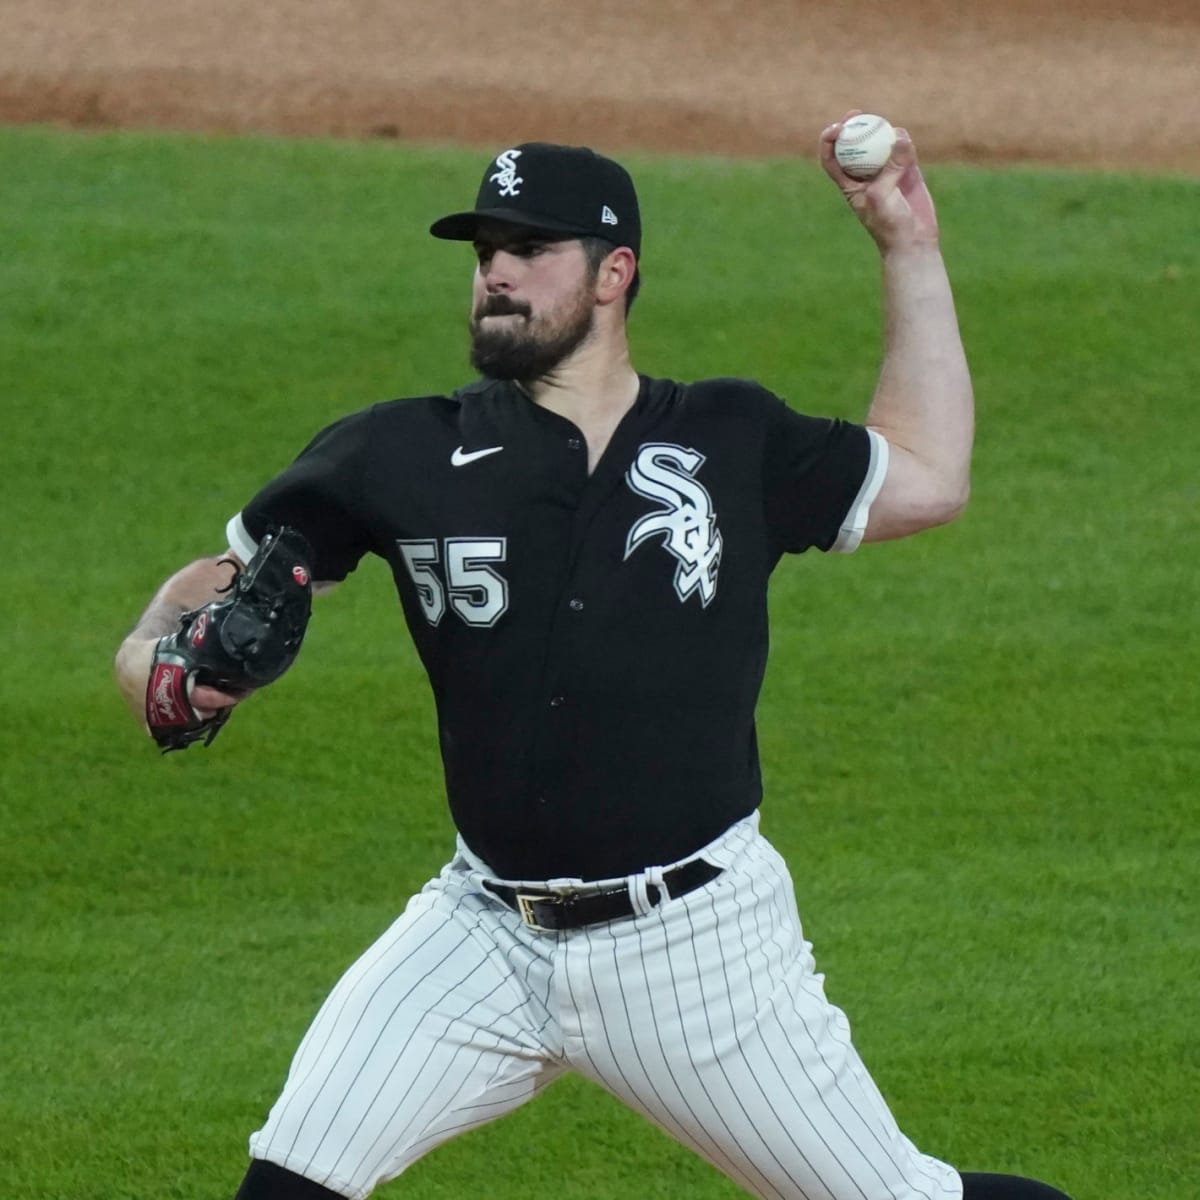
pixel 240 542
pixel 245 547
pixel 855 524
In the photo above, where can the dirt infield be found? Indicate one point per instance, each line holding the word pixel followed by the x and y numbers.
pixel 1087 82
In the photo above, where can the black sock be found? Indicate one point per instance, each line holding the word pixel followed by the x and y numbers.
pixel 1007 1187
pixel 266 1181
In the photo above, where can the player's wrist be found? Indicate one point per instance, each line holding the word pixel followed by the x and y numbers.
pixel 916 247
pixel 910 265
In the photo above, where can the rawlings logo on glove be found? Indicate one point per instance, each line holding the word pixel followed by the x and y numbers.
pixel 236 644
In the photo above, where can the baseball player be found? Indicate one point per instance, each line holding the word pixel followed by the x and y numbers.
pixel 582 555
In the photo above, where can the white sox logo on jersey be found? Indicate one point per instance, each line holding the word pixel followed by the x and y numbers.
pixel 688 525
pixel 507 176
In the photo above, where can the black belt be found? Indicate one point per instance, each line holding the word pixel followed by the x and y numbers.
pixel 549 910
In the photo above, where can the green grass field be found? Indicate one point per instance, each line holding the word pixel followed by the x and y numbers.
pixel 980 746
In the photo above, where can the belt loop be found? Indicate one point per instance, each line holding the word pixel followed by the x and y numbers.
pixel 657 876
pixel 642 899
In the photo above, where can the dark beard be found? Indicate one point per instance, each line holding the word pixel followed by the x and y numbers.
pixel 524 352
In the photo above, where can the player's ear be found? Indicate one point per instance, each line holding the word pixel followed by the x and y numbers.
pixel 615 275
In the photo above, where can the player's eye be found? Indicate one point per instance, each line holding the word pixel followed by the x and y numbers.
pixel 485 253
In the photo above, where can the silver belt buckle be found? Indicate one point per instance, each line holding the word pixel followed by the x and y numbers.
pixel 525 903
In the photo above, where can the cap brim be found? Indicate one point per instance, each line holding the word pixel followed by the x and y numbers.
pixel 462 227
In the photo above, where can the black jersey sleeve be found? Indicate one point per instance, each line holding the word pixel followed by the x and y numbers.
pixel 319 494
pixel 819 477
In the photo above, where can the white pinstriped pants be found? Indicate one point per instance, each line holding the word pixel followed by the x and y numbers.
pixel 704 1014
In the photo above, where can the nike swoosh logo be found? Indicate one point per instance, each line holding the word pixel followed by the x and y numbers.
pixel 461 457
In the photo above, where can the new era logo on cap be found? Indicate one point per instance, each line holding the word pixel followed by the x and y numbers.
pixel 556 189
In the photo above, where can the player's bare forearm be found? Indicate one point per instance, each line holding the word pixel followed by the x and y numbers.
pixel 196 584
pixel 923 403
pixel 189 588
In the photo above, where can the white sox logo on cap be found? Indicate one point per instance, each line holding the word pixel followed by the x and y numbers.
pixel 507 176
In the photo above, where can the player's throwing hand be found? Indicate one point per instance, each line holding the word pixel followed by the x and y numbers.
pixel 895 206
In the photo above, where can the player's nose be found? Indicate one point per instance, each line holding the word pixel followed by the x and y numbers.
pixel 497 270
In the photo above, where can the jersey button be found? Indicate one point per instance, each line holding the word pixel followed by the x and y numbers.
pixel 557 701
pixel 574 443
pixel 575 605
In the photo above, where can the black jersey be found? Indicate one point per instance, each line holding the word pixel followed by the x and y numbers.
pixel 595 643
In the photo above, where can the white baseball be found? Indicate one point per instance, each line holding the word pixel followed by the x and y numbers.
pixel 864 145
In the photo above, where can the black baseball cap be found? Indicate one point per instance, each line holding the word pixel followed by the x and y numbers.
pixel 558 189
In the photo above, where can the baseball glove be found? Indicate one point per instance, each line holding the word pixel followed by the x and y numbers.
pixel 238 643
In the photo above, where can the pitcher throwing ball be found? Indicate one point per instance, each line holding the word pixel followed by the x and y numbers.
pixel 582 554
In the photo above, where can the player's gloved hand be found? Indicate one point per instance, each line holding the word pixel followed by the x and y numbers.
pixel 226 648
pixel 895 206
